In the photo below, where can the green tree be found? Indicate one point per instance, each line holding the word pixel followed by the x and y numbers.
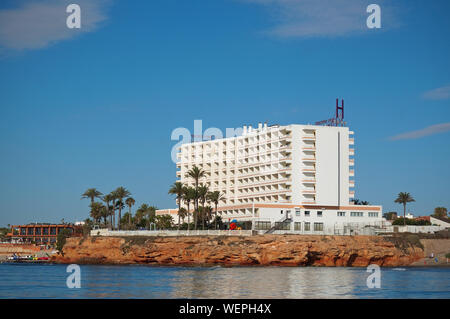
pixel 196 173
pixel 440 212
pixel 404 198
pixel 104 213
pixel 189 195
pixel 108 198
pixel 61 239
pixel 121 193
pixel 390 215
pixel 87 227
pixel 96 211
pixel 92 194
pixel 216 197
pixel 130 202
pixel 151 215
pixel 141 215
pixel 163 221
pixel 203 197
pixel 177 190
pixel 182 213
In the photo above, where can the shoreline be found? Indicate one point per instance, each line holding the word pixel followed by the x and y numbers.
pixel 255 251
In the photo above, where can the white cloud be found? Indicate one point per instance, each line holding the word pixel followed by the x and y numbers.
pixel 430 130
pixel 309 18
pixel 37 24
pixel 441 93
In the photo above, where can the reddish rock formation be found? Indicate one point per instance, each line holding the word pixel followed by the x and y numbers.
pixel 279 250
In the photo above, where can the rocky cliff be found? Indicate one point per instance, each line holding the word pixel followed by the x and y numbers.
pixel 279 250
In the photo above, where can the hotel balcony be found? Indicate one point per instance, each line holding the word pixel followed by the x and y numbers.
pixel 351 151
pixel 309 148
pixel 309 181
pixel 309 137
pixel 351 141
pixel 264 193
pixel 306 191
pixel 309 170
pixel 309 159
pixel 351 194
pixel 285 147
pixel 351 184
pixel 351 173
pixel 351 162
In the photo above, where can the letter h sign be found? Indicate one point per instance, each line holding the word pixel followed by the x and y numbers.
pixel 340 108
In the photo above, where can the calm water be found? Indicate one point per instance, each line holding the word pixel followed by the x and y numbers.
pixel 49 281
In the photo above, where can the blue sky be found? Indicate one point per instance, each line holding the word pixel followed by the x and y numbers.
pixel 95 107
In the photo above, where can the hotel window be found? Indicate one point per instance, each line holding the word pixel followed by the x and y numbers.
pixel 307 213
pixel 263 225
pixel 341 214
pixel 23 231
pixel 356 214
pixel 38 231
pixel 297 212
pixel 318 226
pixel 282 225
pixel 45 231
pixel 319 214
pixel 373 214
pixel 29 231
pixel 307 226
pixel 297 226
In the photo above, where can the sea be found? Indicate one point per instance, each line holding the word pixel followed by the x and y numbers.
pixel 20 280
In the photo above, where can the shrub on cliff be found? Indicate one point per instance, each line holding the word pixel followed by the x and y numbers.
pixel 61 239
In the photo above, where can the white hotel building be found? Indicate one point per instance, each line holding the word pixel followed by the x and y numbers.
pixel 294 178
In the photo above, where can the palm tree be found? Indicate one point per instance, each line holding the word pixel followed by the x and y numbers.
pixel 203 197
pixel 96 211
pixel 91 193
pixel 130 202
pixel 189 194
pixel 113 198
pixel 151 212
pixel 141 212
pixel 196 173
pixel 182 213
pixel 215 197
pixel 404 198
pixel 104 212
pixel 177 189
pixel 107 199
pixel 120 193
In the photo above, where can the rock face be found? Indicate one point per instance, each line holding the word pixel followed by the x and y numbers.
pixel 267 250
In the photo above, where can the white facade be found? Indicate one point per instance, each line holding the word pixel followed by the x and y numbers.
pixel 269 172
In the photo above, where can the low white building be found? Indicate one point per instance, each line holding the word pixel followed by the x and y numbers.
pixel 439 221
